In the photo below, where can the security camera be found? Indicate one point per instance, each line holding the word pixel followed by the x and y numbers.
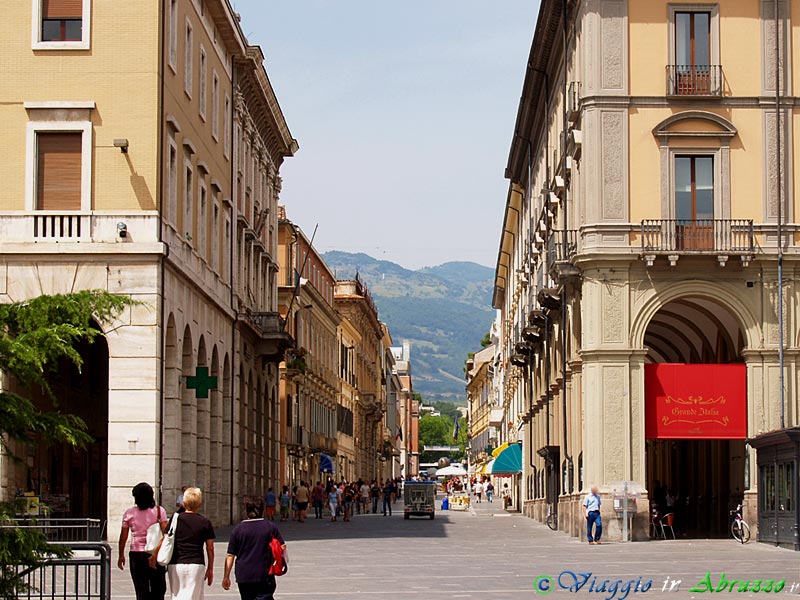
pixel 122 229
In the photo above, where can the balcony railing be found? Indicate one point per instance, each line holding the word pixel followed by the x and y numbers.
pixel 702 236
pixel 562 246
pixel 694 80
pixel 275 340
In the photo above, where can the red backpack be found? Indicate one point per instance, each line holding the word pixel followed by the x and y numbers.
pixel 279 565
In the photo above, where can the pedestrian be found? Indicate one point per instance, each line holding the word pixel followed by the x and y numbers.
pixel 375 493
pixel 347 496
pixel 317 499
pixel 179 501
pixel 295 512
pixel 478 491
pixel 270 501
pixel 388 490
pixel 363 500
pixel 506 496
pixel 189 568
pixel 302 496
pixel 591 507
pixel 149 578
pixel 249 550
pixel 285 501
pixel 333 501
pixel 489 491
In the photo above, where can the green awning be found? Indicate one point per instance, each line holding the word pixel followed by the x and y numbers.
pixel 509 461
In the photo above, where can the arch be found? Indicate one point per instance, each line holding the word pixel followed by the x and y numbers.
pixel 226 493
pixel 172 410
pixel 693 289
pixel 671 126
pixel 188 413
pixel 215 437
pixel 202 427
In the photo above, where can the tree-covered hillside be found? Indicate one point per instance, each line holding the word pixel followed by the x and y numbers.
pixel 444 311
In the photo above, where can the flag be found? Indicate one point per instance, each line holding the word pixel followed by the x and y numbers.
pixel 456 429
pixel 399 435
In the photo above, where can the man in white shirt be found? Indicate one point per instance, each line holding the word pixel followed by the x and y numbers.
pixel 478 490
pixel 591 509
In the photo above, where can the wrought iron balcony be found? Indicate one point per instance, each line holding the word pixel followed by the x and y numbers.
pixel 562 246
pixel 694 80
pixel 275 340
pixel 719 237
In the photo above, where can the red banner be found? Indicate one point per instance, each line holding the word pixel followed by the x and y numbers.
pixel 707 402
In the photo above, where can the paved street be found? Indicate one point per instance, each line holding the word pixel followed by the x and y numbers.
pixel 486 553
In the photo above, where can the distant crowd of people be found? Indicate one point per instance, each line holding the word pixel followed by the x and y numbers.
pixel 251 552
pixel 477 486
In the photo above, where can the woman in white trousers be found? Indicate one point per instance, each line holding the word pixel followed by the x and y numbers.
pixel 189 570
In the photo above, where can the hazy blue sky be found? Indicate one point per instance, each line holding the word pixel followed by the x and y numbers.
pixel 404 111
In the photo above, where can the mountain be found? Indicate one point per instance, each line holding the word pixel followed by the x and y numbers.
pixel 444 311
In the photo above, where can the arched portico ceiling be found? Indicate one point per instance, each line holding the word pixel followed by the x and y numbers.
pixel 694 330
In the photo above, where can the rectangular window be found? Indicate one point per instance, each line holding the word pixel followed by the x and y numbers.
pixel 226 247
pixel 203 77
pixel 215 105
pixel 694 188
pixel 173 34
pixel 215 237
pixel 60 24
pixel 188 198
pixel 172 182
pixel 694 50
pixel 202 220
pixel 58 171
pixel 227 130
pixel 188 66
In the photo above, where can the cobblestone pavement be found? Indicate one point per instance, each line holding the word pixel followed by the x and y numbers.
pixel 489 554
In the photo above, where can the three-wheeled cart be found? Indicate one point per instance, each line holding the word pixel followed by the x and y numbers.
pixel 419 498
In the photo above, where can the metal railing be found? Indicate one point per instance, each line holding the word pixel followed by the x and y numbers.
pixel 701 236
pixel 86 575
pixel 694 80
pixel 558 250
pixel 64 529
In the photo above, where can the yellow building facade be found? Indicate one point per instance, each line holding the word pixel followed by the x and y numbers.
pixel 647 180
pixel 136 165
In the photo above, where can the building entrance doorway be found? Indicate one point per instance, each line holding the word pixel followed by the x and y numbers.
pixel 698 481
pixel 73 482
pixel 695 413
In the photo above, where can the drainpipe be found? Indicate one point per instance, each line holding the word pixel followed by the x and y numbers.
pixel 565 245
pixel 233 289
pixel 779 198
pixel 160 154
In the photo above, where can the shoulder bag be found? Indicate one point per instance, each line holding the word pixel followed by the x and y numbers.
pixel 168 544
pixel 154 535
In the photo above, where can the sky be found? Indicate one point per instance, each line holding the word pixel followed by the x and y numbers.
pixel 404 111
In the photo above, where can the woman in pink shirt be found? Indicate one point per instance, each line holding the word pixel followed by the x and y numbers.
pixel 149 579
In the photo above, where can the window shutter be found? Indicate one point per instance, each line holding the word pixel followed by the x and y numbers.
pixel 58 175
pixel 62 9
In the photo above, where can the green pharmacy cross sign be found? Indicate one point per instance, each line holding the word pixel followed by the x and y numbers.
pixel 201 383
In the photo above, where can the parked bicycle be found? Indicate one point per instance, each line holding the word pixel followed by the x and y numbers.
pixel 739 528
pixel 552 518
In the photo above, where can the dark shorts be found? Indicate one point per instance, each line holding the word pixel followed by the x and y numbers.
pixel 302 506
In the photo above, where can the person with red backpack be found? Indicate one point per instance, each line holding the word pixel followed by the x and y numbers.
pixel 257 549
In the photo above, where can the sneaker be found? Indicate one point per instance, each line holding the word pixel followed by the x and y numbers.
pixel 591 543
pixel 597 542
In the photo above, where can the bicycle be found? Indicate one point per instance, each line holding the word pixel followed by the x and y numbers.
pixel 739 528
pixel 552 518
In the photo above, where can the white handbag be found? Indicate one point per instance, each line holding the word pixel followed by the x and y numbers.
pixel 154 535
pixel 168 544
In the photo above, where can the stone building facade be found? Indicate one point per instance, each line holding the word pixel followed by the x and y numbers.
pixel 647 179
pixel 156 177
pixel 354 303
pixel 310 385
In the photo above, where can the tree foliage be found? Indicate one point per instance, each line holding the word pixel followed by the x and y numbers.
pixel 35 336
